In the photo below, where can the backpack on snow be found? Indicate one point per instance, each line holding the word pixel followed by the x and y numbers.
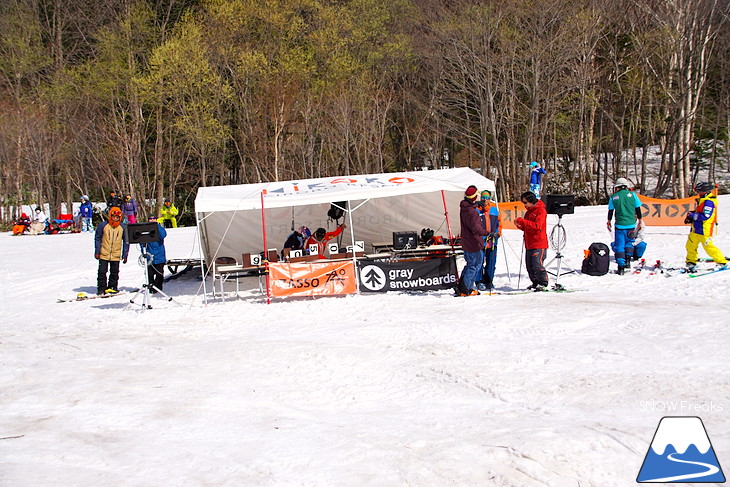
pixel 597 260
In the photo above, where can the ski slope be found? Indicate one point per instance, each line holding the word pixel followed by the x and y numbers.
pixel 366 390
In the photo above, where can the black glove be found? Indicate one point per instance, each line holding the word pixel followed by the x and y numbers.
pixel 688 218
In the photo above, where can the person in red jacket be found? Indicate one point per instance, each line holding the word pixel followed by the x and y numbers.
pixel 534 225
pixel 321 237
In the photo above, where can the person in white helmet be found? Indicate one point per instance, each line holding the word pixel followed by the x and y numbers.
pixel 627 208
pixel 86 213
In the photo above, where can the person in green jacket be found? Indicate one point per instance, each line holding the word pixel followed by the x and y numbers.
pixel 627 208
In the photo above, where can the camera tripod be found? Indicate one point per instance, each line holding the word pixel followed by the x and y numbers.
pixel 146 288
pixel 557 242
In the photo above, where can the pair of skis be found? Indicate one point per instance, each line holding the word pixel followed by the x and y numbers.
pixel 86 297
pixel 671 271
pixel 657 268
pixel 557 288
pixel 707 273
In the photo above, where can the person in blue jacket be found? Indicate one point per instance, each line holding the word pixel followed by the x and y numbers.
pixel 157 258
pixel 536 174
pixel 702 222
pixel 86 212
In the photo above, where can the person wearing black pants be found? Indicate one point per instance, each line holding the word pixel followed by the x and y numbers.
pixel 157 258
pixel 104 285
pixel 155 275
pixel 534 262
pixel 110 246
pixel 534 224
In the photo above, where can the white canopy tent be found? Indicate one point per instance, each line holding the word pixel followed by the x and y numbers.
pixel 230 218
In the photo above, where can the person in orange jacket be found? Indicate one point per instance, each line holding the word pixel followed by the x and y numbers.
pixel 493 223
pixel 321 237
pixel 534 225
pixel 20 226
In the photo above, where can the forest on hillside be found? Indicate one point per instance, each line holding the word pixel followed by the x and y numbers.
pixel 160 97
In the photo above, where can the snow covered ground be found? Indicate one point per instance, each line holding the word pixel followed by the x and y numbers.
pixel 368 390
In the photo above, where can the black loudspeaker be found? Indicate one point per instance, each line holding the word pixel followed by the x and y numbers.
pixel 142 233
pixel 337 210
pixel 559 204
pixel 401 240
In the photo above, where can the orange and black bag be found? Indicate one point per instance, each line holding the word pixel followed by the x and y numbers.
pixel 597 259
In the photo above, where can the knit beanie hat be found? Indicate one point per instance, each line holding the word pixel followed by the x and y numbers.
pixel 471 193
pixel 115 216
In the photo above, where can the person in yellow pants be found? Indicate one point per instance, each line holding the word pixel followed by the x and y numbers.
pixel 703 223
pixel 168 212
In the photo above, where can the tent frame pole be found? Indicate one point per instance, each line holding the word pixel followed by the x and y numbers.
pixel 448 226
pixel 349 211
pixel 200 252
pixel 448 222
pixel 266 248
pixel 354 250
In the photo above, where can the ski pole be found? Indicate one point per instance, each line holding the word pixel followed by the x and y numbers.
pixel 522 253
pixel 506 263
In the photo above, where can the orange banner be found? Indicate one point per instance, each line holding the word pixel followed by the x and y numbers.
pixel 665 213
pixel 311 279
pixel 510 211
pixel 654 211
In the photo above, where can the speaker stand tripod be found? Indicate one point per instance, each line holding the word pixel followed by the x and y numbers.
pixel 146 288
pixel 558 240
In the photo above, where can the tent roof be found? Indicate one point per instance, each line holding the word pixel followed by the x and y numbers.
pixel 344 188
